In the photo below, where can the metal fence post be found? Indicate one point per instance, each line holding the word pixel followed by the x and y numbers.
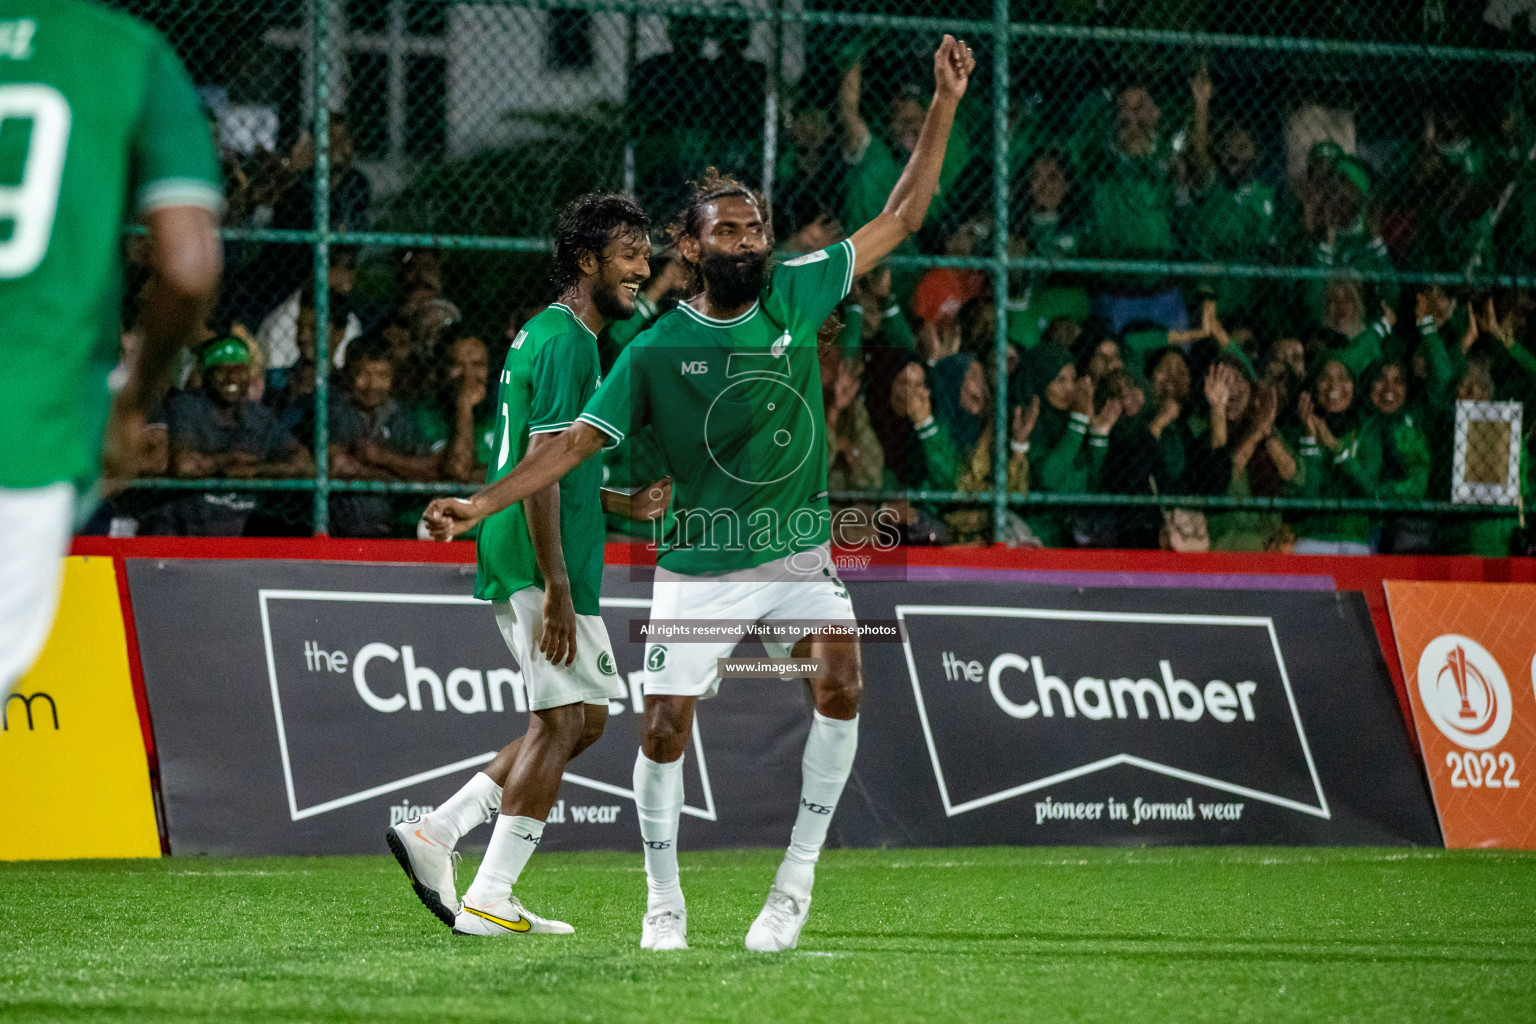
pixel 771 100
pixel 322 190
pixel 1000 188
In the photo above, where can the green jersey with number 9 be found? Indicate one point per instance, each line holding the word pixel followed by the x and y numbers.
pixel 97 118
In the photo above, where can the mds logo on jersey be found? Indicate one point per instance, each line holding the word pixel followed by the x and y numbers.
pixel 695 367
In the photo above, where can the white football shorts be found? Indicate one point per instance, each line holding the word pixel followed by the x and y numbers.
pixel 751 595
pixel 592 678
pixel 35 527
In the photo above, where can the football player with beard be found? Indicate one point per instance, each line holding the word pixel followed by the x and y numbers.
pixel 730 385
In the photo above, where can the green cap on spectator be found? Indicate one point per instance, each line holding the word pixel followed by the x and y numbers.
pixel 225 352
pixel 1354 171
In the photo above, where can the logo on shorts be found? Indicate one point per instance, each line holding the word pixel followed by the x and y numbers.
pixel 1464 690
pixel 605 664
pixel 656 658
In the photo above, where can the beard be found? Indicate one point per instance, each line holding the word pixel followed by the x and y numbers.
pixel 613 303
pixel 733 280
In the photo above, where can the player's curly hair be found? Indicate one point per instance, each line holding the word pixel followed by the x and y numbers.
pixel 709 187
pixel 588 225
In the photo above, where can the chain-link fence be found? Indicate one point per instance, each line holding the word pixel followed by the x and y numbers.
pixel 1238 276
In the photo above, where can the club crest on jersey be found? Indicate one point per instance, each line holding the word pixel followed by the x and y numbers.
pixel 780 344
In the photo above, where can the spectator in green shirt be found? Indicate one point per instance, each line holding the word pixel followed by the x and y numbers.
pixel 1348 336
pixel 1445 197
pixel 1284 370
pixel 1070 440
pixel 1131 201
pixel 1498 366
pixel 1231 216
pixel 808 177
pixel 458 422
pixel 1335 460
pixel 872 317
pixel 1046 226
pixel 1346 236
pixel 1405 456
pixel 875 160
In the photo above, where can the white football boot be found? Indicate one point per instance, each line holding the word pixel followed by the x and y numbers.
pixel 506 917
pixel 777 927
pixel 429 865
pixel 665 929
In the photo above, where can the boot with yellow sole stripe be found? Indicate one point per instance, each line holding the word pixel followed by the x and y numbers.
pixel 505 917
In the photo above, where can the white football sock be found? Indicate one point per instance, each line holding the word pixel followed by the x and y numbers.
pixel 476 802
pixel 659 805
pixel 512 842
pixel 824 769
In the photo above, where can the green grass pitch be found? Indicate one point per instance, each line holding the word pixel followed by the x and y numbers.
pixel 996 934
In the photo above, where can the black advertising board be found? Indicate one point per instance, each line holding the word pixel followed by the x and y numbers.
pixel 301 707
pixel 1062 715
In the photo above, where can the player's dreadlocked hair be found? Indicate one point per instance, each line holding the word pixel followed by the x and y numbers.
pixel 587 226
pixel 709 187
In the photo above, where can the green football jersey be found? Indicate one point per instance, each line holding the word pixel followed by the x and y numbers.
pixel 97 119
pixel 550 373
pixel 735 407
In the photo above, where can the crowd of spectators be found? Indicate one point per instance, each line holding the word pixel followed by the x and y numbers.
pixel 1131 389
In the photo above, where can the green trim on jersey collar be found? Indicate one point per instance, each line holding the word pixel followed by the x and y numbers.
pixel 709 321
pixel 572 314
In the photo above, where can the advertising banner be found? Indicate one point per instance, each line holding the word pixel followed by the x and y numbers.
pixel 1064 715
pixel 74 779
pixel 303 706
pixel 1469 655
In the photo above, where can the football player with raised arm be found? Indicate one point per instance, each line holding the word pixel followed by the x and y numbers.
pixel 729 384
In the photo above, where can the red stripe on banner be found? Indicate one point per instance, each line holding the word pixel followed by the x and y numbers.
pixel 326 549
pixel 141 696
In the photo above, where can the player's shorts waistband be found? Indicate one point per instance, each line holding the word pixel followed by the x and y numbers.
pixel 796 567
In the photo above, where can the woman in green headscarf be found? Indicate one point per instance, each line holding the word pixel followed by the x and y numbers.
pixel 1237 454
pixel 1392 429
pixel 963 400
pixel 1335 460
pixel 1063 458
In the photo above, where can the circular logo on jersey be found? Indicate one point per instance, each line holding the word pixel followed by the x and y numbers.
pixel 656 658
pixel 759 430
pixel 605 664
pixel 1464 692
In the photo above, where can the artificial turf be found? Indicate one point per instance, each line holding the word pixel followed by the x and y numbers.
pixel 968 935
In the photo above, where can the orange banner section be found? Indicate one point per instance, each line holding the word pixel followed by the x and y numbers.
pixel 74 778
pixel 1467 651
